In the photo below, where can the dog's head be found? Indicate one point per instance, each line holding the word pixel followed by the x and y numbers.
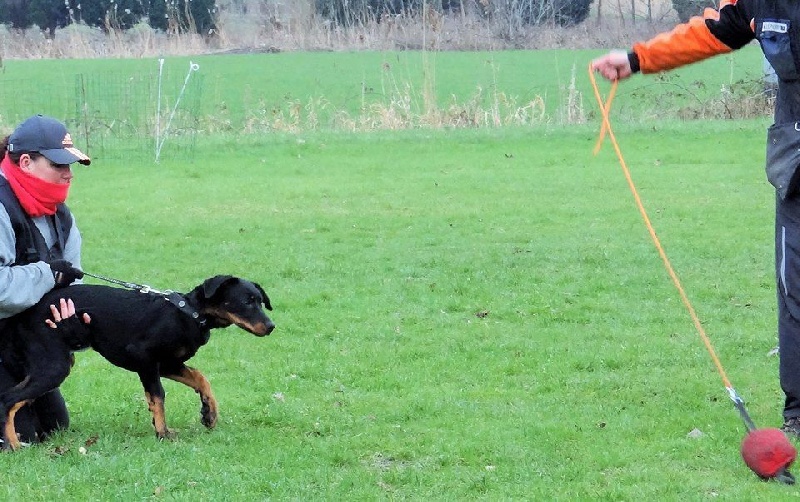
pixel 232 300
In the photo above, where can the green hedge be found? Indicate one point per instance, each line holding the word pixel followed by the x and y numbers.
pixel 168 15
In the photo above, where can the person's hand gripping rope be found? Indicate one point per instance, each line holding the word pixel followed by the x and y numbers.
pixel 613 66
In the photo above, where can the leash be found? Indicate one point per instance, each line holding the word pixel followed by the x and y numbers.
pixel 606 130
pixel 142 288
pixel 174 298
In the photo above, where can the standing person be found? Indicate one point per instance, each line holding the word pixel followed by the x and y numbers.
pixel 40 246
pixel 776 26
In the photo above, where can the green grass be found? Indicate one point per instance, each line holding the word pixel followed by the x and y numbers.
pixel 288 91
pixel 461 316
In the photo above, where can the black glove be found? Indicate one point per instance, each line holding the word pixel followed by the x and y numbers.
pixel 64 273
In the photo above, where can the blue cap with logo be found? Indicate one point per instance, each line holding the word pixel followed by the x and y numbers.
pixel 49 137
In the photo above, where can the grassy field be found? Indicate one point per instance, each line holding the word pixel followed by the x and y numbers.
pixel 462 315
pixel 290 92
pixel 471 315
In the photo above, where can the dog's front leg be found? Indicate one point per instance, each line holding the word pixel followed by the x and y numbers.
pixel 154 393
pixel 197 381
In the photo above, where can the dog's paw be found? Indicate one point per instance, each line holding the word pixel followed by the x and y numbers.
pixel 208 411
pixel 166 434
pixel 10 445
pixel 208 416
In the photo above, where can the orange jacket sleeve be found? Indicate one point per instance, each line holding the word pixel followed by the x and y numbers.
pixel 715 32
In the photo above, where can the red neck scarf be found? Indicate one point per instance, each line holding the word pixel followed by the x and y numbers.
pixel 36 196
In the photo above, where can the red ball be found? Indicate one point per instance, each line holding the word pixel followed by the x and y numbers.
pixel 767 451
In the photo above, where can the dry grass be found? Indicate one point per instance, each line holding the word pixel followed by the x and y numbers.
pixel 403 106
pixel 740 100
pixel 238 33
pixel 78 41
pixel 572 110
pixel 402 109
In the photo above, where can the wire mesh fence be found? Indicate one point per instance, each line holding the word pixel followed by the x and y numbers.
pixel 152 115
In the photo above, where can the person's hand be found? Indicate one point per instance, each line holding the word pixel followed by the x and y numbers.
pixel 64 273
pixel 66 309
pixel 613 66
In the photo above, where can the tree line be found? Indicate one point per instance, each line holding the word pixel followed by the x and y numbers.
pixel 168 15
pixel 199 16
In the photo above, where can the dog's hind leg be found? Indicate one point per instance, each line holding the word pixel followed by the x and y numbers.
pixel 154 393
pixel 48 376
pixel 10 439
pixel 197 381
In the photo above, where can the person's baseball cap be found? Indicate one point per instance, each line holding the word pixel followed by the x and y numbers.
pixel 49 137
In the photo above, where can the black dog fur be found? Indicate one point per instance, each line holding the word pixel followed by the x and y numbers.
pixel 141 332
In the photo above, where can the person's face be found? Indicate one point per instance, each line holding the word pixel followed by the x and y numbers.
pixel 45 170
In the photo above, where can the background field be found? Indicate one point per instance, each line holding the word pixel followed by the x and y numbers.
pixel 462 313
pixel 112 104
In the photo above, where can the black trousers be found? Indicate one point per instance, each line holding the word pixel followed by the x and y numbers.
pixel 787 270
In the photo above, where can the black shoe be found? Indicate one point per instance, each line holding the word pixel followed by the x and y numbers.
pixel 791 427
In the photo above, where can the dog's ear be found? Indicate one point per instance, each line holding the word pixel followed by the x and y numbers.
pixel 210 286
pixel 263 295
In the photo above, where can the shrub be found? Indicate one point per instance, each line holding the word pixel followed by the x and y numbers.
pixel 527 12
pixel 689 8
pixel 47 14
pixel 358 12
pixel 174 16
pixel 538 12
pixel 179 16
pixel 110 14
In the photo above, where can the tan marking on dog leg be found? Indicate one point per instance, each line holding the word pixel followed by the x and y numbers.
pixel 10 432
pixel 156 406
pixel 208 404
pixel 10 439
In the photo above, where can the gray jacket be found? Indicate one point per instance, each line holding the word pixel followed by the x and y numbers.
pixel 23 286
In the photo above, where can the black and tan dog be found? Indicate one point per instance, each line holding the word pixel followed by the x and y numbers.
pixel 147 333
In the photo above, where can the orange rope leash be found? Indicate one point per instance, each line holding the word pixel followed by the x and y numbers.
pixel 606 129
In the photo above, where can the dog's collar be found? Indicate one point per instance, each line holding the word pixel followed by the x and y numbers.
pixel 180 302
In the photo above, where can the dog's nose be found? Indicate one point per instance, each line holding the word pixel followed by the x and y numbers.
pixel 269 328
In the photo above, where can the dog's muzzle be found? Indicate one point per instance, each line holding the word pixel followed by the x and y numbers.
pixel 260 329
